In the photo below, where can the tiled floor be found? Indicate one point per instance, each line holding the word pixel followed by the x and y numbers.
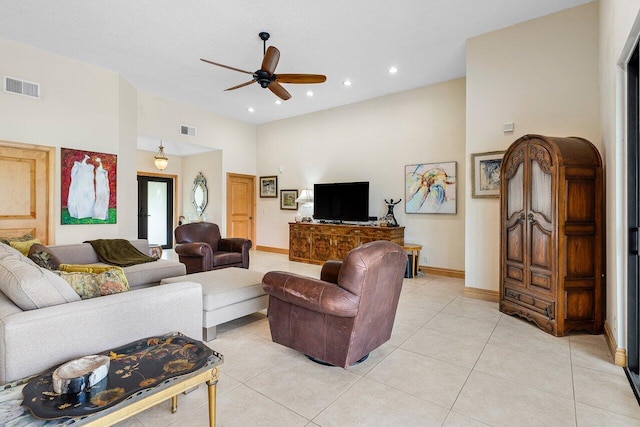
pixel 451 361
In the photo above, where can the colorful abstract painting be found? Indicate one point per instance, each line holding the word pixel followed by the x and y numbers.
pixel 431 188
pixel 88 187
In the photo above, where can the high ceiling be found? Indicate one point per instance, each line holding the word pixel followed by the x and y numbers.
pixel 156 44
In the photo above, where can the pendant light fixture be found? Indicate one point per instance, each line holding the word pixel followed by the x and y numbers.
pixel 161 159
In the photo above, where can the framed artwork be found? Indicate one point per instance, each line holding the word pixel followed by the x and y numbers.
pixel 485 174
pixel 88 187
pixel 269 186
pixel 288 200
pixel 431 188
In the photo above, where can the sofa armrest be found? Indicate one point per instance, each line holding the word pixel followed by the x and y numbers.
pixel 330 271
pixel 310 293
pixel 35 340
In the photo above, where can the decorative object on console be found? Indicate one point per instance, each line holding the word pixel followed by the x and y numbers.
pixel 485 174
pixel 80 374
pixel 88 187
pixel 389 219
pixel 269 186
pixel 431 188
pixel 160 159
pixel 288 199
pixel 200 194
pixel 306 208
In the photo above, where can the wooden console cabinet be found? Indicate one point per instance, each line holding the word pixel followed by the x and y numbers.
pixel 317 243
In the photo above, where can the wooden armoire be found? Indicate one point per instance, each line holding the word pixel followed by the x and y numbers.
pixel 551 237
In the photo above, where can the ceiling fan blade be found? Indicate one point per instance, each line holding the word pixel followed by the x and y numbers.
pixel 300 78
pixel 226 66
pixel 279 91
pixel 270 60
pixel 241 85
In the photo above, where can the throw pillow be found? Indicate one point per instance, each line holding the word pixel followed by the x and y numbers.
pixel 91 285
pixel 84 284
pixel 22 238
pixel 43 257
pixel 23 246
pixel 29 286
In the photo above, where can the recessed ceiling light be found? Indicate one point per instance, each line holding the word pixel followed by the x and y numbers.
pixel 393 70
pixel 250 109
pixel 278 102
pixel 347 82
pixel 309 93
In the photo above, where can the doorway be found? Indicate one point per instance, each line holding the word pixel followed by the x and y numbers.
pixel 155 209
pixel 633 219
pixel 241 206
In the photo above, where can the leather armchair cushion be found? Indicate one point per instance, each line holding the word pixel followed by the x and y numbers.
pixel 313 294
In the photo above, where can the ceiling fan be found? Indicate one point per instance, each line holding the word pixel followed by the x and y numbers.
pixel 265 76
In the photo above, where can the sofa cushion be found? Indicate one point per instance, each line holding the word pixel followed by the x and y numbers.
pixel 110 279
pixel 152 273
pixel 43 257
pixel 91 285
pixel 29 286
pixel 22 238
pixel 23 247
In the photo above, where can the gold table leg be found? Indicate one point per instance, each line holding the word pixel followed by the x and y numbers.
pixel 212 396
pixel 174 404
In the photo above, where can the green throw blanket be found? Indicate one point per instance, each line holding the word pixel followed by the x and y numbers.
pixel 118 252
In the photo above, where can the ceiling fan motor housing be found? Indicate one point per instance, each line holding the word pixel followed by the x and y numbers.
pixel 263 78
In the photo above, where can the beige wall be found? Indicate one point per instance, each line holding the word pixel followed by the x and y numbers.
pixel 210 164
pixel 619 28
pixel 543 76
pixel 371 141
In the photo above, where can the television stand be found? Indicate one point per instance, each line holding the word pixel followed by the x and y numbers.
pixel 316 243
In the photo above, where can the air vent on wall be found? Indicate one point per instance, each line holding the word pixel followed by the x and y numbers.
pixel 21 87
pixel 187 130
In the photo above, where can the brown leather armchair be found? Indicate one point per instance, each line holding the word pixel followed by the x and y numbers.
pixel 201 248
pixel 346 314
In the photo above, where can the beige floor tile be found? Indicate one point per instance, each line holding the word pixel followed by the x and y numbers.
pixel 401 331
pixel 161 413
pixel 416 317
pixel 588 416
pixel 303 386
pixel 519 334
pixel 442 291
pixel 131 422
pixel 449 348
pixel 370 403
pixel 610 392
pixel 527 370
pixel 247 355
pixel 500 402
pixel 461 326
pixel 421 376
pixel 464 308
pixel 375 357
pixel 458 420
pixel 591 351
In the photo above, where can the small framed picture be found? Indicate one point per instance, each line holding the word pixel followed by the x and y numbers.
pixel 485 174
pixel 288 200
pixel 269 186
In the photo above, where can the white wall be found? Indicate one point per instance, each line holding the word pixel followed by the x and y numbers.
pixel 210 164
pixel 371 141
pixel 82 107
pixel 543 76
pixel 617 18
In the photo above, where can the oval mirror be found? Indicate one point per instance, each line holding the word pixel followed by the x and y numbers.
pixel 200 193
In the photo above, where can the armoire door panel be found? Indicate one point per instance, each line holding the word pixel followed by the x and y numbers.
pixel 515 239
pixel 579 305
pixel 515 272
pixel 541 246
pixel 541 280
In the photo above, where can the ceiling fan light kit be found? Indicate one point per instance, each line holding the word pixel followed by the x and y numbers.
pixel 265 76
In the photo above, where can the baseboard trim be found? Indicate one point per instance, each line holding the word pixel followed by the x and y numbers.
pixel 271 249
pixel 619 354
pixel 483 294
pixel 458 274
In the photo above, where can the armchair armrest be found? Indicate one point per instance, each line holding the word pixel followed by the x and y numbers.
pixel 330 271
pixel 195 249
pixel 236 244
pixel 310 293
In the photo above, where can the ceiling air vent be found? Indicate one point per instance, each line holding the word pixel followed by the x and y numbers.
pixel 187 130
pixel 21 87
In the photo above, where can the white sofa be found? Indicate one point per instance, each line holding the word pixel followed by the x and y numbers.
pixel 33 340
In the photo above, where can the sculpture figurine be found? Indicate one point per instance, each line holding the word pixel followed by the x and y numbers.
pixel 390 218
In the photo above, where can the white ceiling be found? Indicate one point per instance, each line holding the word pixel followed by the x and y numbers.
pixel 156 44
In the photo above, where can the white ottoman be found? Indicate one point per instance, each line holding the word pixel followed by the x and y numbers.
pixel 227 294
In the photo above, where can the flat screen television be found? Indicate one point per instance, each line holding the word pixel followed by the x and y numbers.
pixel 343 201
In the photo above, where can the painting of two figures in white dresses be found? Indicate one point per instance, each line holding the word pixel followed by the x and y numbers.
pixel 88 185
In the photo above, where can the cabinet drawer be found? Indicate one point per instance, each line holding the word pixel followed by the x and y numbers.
pixel 532 302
